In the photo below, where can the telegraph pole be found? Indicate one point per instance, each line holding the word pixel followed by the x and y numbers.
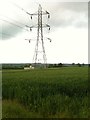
pixel 39 54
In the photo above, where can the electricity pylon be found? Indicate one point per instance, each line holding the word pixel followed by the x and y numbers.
pixel 39 54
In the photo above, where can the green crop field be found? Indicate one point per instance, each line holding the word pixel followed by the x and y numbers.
pixel 45 93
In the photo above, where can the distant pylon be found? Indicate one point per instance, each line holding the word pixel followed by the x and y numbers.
pixel 39 54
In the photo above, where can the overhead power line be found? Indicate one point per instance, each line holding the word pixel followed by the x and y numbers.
pixel 36 13
pixel 11 19
pixel 19 7
pixel 13 24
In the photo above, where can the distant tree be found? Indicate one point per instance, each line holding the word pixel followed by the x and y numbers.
pixel 73 64
pixel 83 64
pixel 60 64
pixel 50 65
pixel 79 65
pixel 27 65
pixel 55 65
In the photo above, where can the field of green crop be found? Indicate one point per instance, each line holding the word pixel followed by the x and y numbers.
pixel 46 93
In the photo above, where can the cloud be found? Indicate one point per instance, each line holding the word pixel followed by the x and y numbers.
pixel 9 30
pixel 70 14
pixel 62 15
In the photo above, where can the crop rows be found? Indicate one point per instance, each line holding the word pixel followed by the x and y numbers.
pixel 58 92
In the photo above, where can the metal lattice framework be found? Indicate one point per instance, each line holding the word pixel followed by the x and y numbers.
pixel 39 54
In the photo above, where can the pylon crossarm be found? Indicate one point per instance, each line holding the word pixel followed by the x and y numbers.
pixel 32 13
pixel 49 39
pixel 31 26
pixel 29 40
pixel 45 13
pixel 34 26
pixel 45 25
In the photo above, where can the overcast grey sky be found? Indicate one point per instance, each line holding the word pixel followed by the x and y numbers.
pixel 69 31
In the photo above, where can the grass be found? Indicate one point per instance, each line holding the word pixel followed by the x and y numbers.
pixel 55 93
pixel 13 109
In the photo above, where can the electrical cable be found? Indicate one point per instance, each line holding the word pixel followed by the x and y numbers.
pixel 13 24
pixel 12 20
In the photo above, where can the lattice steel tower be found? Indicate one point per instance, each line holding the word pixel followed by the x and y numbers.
pixel 39 54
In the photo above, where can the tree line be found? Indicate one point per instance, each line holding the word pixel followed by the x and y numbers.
pixel 56 65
